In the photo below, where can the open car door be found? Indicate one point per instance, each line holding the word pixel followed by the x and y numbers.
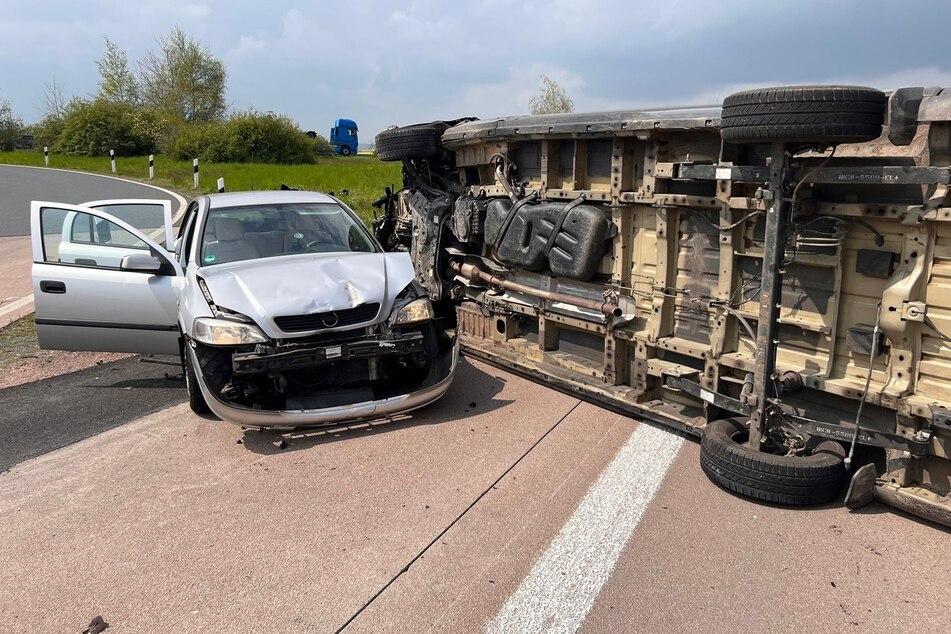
pixel 100 284
pixel 150 216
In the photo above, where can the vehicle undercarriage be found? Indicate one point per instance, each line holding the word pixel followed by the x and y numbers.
pixel 774 276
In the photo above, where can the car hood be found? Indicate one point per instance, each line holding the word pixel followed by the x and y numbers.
pixel 303 284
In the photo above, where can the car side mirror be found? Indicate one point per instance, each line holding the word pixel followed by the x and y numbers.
pixel 140 263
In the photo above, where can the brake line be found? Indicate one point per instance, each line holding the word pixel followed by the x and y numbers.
pixel 868 382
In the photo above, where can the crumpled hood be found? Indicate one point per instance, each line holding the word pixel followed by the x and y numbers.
pixel 303 284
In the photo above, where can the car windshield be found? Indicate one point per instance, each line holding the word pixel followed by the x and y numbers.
pixel 233 234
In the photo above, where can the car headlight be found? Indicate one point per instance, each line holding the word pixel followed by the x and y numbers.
pixel 415 311
pixel 222 332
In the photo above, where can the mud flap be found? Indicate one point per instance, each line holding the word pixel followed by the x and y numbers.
pixel 861 488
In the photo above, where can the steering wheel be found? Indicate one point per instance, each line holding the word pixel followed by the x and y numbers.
pixel 318 246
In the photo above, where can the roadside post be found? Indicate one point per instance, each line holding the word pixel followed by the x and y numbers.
pixel 112 158
pixel 221 185
pixel 46 156
pixel 195 170
pixel 151 167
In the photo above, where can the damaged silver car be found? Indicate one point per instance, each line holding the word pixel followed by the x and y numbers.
pixel 285 311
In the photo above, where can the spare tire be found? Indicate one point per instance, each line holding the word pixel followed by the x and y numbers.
pixel 413 141
pixel 803 114
pixel 728 460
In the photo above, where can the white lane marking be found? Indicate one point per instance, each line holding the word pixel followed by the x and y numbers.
pixel 563 584
pixel 15 305
pixel 182 203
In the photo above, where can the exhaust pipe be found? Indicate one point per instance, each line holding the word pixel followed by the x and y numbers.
pixel 474 273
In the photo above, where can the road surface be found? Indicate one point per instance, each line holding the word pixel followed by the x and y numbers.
pixel 503 507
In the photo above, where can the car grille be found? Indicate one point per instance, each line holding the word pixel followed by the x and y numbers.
pixel 329 319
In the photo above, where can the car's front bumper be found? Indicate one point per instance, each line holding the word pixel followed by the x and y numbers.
pixel 330 415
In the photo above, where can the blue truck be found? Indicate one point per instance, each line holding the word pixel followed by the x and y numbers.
pixel 343 136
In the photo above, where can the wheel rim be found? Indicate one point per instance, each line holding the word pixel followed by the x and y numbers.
pixel 741 438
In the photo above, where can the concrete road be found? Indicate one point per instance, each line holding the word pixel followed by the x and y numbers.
pixel 504 507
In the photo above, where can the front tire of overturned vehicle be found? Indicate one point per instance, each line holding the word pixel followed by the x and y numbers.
pixel 729 461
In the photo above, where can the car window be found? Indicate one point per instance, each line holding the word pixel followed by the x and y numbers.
pixel 149 218
pixel 246 233
pixel 79 238
pixel 185 234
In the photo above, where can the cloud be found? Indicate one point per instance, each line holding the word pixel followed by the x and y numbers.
pixel 383 62
pixel 182 11
pixel 915 76
pixel 509 93
pixel 249 46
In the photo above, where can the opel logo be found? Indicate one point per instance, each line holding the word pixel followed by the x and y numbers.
pixel 330 320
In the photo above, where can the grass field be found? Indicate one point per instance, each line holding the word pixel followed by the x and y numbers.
pixel 364 177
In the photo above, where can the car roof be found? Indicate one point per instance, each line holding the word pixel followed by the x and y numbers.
pixel 241 199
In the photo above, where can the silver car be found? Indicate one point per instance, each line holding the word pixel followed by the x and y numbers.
pixel 284 309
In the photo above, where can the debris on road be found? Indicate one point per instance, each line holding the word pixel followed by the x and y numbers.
pixel 96 626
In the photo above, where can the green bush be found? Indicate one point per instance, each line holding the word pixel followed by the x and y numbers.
pixel 205 141
pixel 47 131
pixel 11 127
pixel 92 128
pixel 248 137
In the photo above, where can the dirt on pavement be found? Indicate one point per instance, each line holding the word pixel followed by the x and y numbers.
pixel 22 360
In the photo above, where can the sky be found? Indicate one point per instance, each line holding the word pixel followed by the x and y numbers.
pixel 396 63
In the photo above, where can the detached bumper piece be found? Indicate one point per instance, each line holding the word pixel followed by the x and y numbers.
pixel 265 359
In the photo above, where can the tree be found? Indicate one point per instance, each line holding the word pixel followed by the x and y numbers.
pixel 54 108
pixel 117 84
pixel 183 80
pixel 92 128
pixel 551 98
pixel 54 103
pixel 11 126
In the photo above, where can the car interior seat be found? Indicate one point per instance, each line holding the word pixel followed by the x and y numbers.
pixel 230 245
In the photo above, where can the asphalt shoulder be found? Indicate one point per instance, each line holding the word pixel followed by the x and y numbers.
pixel 38 417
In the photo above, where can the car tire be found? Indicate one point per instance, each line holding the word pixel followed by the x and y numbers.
pixel 345 151
pixel 410 142
pixel 196 400
pixel 803 114
pixel 728 460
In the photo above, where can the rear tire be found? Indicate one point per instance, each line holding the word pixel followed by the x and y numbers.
pixel 196 400
pixel 413 141
pixel 803 114
pixel 728 460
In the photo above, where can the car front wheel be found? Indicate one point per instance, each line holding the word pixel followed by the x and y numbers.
pixel 196 400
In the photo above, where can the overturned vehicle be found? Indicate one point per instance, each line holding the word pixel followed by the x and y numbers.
pixel 773 275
